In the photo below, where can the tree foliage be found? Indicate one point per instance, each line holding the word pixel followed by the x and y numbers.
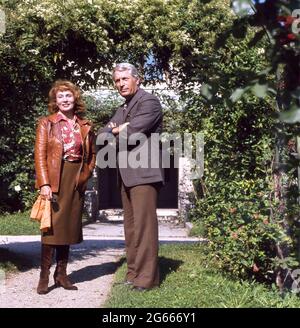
pixel 81 40
pixel 78 40
pixel 198 48
pixel 268 192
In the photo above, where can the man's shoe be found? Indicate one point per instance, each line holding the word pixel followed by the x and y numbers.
pixel 140 289
pixel 128 283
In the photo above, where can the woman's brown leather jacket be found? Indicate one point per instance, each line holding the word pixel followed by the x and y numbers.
pixel 48 153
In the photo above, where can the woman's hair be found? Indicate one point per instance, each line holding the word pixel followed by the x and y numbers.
pixel 65 85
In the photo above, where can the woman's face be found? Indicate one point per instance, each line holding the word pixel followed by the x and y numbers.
pixel 65 101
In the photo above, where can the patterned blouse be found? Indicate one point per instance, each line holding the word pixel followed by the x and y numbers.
pixel 70 132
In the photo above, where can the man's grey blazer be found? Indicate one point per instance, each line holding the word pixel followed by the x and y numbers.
pixel 139 162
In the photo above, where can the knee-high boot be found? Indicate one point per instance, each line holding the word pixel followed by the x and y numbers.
pixel 46 261
pixel 60 274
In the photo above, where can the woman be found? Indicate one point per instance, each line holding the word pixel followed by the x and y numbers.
pixel 64 161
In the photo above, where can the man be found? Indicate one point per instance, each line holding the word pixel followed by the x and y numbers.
pixel 141 113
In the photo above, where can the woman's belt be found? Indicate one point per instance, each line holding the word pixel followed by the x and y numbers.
pixel 72 160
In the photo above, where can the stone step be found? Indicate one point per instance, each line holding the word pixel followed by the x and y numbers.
pixel 117 214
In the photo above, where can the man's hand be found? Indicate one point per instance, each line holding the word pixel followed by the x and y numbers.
pixel 112 125
pixel 117 129
pixel 122 126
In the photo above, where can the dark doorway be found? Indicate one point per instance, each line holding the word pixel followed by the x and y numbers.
pixel 109 193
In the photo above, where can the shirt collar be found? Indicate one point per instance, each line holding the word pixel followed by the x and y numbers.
pixel 61 117
pixel 54 118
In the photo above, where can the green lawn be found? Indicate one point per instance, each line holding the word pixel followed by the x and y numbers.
pixel 15 224
pixel 18 224
pixel 190 280
pixel 10 261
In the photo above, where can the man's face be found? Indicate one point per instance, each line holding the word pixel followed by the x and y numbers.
pixel 126 84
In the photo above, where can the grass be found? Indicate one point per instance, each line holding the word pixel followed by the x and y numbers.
pixel 15 224
pixel 189 280
pixel 10 261
pixel 18 224
pixel 197 229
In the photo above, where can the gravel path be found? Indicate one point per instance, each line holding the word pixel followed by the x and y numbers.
pixel 92 265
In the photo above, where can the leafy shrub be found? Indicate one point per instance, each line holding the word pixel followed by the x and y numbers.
pixel 242 236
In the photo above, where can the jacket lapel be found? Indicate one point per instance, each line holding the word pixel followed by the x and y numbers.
pixel 132 102
pixel 84 127
pixel 55 129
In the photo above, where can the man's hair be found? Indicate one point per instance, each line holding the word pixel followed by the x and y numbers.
pixel 126 67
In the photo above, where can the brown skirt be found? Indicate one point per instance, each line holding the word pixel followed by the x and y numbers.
pixel 66 220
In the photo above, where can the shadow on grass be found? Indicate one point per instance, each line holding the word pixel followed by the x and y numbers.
pixel 11 261
pixel 167 265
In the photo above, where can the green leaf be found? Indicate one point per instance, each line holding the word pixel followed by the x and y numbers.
pixel 237 94
pixel 260 90
pixel 257 37
pixel 206 91
pixel 291 116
